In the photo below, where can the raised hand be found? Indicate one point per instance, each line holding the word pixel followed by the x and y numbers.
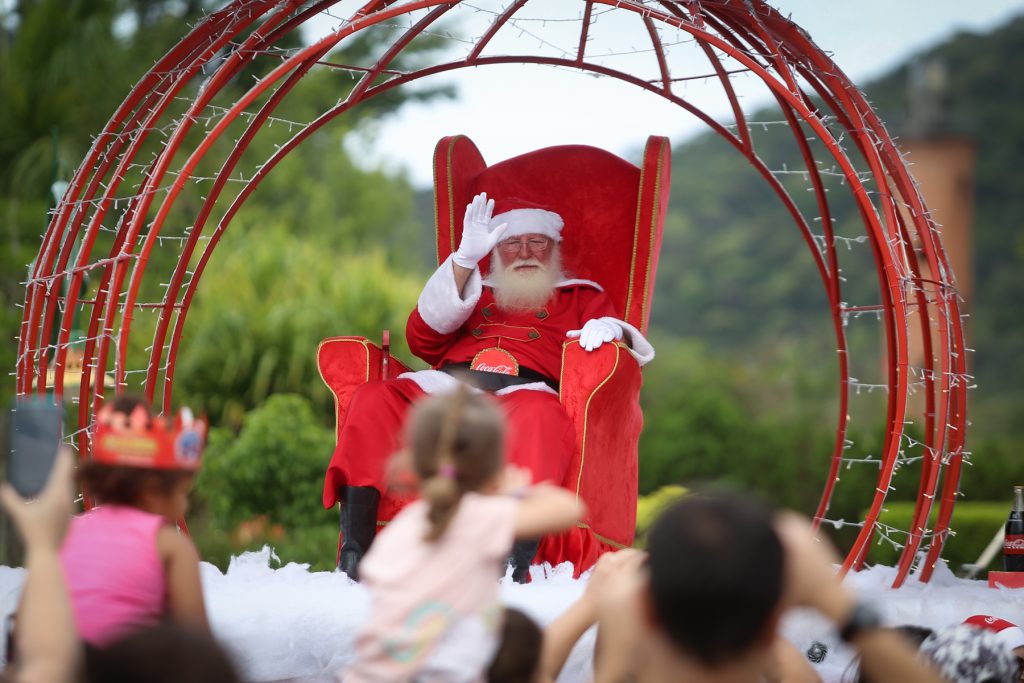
pixel 477 238
pixel 43 522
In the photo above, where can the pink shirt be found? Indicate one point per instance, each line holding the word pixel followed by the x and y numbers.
pixel 435 611
pixel 113 571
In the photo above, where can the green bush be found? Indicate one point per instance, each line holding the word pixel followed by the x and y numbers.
pixel 650 506
pixel 274 468
pixel 974 524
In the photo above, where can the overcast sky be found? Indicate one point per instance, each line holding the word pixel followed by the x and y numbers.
pixel 510 110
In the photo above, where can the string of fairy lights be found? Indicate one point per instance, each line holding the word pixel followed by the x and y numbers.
pixel 675 47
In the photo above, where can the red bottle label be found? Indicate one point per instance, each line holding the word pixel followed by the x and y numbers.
pixel 1014 545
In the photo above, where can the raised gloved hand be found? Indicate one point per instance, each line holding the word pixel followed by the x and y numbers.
pixel 477 238
pixel 595 332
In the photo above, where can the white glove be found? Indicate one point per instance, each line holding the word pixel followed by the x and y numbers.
pixel 597 331
pixel 477 238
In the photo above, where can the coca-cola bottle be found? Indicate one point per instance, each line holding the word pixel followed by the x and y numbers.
pixel 1013 546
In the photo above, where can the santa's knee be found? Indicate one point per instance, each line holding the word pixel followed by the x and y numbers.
pixel 528 408
pixel 540 436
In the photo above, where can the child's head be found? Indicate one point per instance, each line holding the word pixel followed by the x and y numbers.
pixel 518 657
pixel 456 445
pixel 136 461
pixel 168 652
pixel 716 576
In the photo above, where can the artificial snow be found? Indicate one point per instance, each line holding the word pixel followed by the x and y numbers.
pixel 290 624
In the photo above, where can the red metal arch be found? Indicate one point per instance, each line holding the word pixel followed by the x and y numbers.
pixel 913 290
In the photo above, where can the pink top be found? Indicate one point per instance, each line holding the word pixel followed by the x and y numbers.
pixel 113 571
pixel 435 610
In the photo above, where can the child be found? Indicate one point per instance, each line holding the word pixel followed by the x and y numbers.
pixel 432 572
pixel 527 655
pixel 126 564
pixel 47 646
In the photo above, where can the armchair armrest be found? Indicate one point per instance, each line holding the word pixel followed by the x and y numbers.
pixel 600 391
pixel 345 363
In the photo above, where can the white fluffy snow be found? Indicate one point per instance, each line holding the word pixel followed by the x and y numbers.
pixel 289 623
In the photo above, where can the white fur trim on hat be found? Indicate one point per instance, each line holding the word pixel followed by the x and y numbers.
pixel 530 221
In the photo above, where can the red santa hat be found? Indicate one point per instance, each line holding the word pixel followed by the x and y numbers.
pixel 526 218
pixel 1009 633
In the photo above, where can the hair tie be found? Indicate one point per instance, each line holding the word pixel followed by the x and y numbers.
pixel 446 471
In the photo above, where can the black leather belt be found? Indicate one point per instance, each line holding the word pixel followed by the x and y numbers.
pixel 495 381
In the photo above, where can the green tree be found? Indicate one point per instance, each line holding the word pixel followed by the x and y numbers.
pixel 263 307
pixel 57 58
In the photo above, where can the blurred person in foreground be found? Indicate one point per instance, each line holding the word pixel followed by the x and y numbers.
pixel 967 654
pixel 1008 633
pixel 528 654
pixel 126 564
pixel 432 574
pixel 47 645
pixel 913 634
pixel 722 572
pixel 167 653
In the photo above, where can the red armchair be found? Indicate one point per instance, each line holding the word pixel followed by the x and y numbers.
pixel 614 213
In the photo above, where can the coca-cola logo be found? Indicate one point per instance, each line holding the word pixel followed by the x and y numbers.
pixel 503 369
pixel 1014 545
pixel 498 361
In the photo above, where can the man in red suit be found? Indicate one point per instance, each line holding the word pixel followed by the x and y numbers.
pixel 504 334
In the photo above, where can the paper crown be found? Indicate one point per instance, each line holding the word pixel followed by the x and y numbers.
pixel 526 218
pixel 138 440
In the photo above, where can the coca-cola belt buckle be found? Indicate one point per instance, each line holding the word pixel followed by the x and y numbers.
pixel 495 360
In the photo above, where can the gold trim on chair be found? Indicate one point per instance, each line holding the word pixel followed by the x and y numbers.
pixel 654 226
pixel 451 198
pixel 636 239
pixel 437 218
pixel 366 347
pixel 586 410
pixel 603 539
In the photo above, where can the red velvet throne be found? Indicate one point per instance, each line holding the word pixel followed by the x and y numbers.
pixel 614 213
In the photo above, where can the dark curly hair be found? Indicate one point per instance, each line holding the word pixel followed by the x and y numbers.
pixel 124 484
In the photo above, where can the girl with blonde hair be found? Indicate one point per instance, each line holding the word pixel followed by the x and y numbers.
pixel 433 571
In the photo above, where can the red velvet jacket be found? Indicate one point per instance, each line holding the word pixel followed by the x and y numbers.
pixel 534 337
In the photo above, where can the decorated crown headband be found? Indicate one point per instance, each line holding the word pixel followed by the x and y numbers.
pixel 138 440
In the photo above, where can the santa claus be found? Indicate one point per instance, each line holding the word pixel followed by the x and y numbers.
pixel 503 334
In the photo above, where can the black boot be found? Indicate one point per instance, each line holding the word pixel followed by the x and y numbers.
pixel 522 555
pixel 358 526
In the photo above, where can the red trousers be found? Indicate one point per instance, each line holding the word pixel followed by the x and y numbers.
pixel 538 436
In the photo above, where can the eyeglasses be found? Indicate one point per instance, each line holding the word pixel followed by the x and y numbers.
pixel 512 245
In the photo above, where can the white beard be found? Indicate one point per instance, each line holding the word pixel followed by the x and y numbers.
pixel 524 290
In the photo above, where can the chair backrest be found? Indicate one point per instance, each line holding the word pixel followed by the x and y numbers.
pixel 614 212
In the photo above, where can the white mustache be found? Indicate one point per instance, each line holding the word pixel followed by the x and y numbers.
pixel 518 263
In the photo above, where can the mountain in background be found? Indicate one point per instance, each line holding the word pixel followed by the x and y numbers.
pixel 734 269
